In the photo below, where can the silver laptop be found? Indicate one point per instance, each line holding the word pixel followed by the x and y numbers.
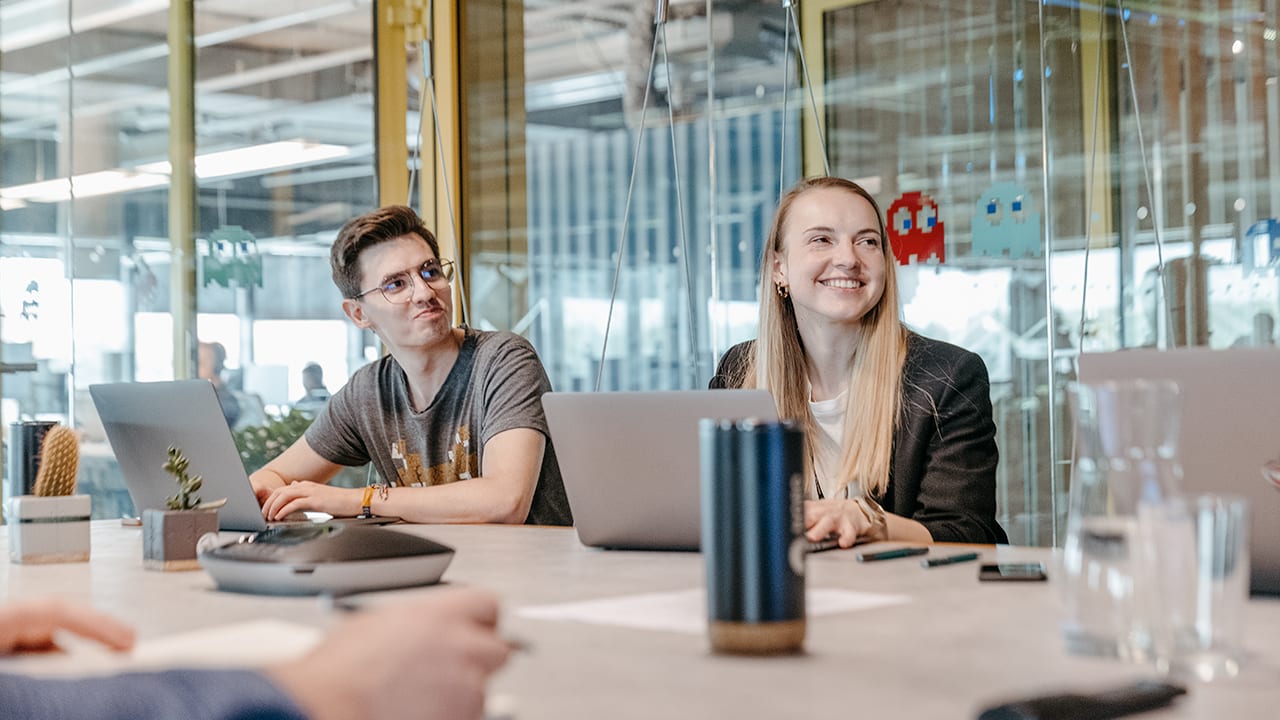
pixel 143 419
pixel 1230 430
pixel 630 461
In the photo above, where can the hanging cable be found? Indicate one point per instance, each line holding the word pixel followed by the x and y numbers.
pixel 713 189
pixel 786 89
pixel 428 92
pixel 1146 176
pixel 626 209
pixel 790 7
pixel 683 235
pixel 417 136
pixel 660 21
pixel 1093 156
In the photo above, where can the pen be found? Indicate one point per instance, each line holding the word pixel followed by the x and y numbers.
pixel 949 560
pixel 830 543
pixel 891 554
pixel 344 604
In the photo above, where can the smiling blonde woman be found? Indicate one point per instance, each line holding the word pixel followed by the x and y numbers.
pixel 899 431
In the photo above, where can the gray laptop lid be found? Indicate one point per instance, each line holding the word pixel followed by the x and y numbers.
pixel 630 461
pixel 143 419
pixel 1230 430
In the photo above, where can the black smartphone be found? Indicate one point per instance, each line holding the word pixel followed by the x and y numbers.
pixel 1026 572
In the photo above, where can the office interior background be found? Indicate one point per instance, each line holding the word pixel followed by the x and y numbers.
pixel 1075 176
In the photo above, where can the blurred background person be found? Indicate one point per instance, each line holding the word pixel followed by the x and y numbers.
pixel 211 364
pixel 241 409
pixel 317 395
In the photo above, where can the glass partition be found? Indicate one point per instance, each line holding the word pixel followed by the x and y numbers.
pixel 283 157
pixel 1010 134
pixel 1094 177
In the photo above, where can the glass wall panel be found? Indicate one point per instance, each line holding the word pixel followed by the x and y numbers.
pixel 615 235
pixel 1010 134
pixel 1165 204
pixel 936 108
pixel 1094 178
pixel 283 157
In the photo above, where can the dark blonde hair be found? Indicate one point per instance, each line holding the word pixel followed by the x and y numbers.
pixel 365 231
pixel 779 363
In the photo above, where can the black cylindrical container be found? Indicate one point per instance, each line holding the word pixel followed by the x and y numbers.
pixel 753 535
pixel 25 439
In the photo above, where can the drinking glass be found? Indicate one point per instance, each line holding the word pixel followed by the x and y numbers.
pixel 1199 620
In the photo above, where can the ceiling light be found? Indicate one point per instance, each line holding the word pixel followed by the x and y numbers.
pixel 257 158
pixel 106 182
pixel 103 182
pixel 241 161
pixel 43 191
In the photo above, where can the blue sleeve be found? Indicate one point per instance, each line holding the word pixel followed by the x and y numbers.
pixel 185 694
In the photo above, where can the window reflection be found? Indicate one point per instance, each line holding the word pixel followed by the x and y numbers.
pixel 284 156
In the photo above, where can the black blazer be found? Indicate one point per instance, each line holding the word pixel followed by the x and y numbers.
pixel 943 473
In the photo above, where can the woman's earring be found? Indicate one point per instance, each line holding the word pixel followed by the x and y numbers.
pixel 782 291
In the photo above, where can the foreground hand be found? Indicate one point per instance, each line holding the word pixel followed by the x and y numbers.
pixel 307 495
pixel 31 626
pixel 429 658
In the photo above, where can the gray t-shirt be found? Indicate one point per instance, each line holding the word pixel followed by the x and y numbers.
pixel 496 384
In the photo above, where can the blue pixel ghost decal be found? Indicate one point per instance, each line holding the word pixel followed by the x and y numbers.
pixel 1262 244
pixel 1005 223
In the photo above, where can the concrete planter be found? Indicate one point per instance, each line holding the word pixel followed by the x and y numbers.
pixel 169 537
pixel 52 529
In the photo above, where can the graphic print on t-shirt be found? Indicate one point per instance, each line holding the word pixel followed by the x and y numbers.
pixel 461 463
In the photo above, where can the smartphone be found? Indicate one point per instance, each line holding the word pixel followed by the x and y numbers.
pixel 1026 572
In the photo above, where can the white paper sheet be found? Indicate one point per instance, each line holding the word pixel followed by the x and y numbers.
pixel 247 644
pixel 685 611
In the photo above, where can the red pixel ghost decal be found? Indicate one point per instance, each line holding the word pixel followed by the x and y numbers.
pixel 915 230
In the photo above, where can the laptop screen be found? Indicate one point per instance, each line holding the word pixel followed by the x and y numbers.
pixel 630 461
pixel 142 420
pixel 1230 430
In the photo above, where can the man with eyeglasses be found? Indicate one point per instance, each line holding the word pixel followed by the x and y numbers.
pixel 451 418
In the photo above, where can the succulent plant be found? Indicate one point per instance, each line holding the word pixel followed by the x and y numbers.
pixel 176 465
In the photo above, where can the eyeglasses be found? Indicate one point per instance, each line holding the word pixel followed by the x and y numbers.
pixel 399 287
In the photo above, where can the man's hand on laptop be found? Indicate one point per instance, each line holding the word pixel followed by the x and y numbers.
pixel 307 495
pixel 264 483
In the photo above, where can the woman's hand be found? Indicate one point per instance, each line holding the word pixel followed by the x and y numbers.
pixel 31 626
pixel 850 521
pixel 307 495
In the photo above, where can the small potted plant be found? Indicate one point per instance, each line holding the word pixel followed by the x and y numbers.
pixel 169 536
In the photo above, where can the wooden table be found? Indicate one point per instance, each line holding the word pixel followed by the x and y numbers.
pixel 957 646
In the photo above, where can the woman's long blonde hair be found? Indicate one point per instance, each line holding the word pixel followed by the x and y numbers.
pixel 875 387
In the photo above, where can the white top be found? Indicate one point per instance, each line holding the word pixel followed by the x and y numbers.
pixel 829 414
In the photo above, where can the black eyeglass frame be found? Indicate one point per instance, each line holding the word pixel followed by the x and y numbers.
pixel 445 268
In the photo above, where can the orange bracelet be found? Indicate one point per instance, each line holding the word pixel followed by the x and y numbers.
pixel 366 510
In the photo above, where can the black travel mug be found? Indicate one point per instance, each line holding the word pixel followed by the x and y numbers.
pixel 753 535
pixel 25 439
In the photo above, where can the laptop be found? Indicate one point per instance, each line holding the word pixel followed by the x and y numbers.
pixel 630 461
pixel 1230 430
pixel 142 420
